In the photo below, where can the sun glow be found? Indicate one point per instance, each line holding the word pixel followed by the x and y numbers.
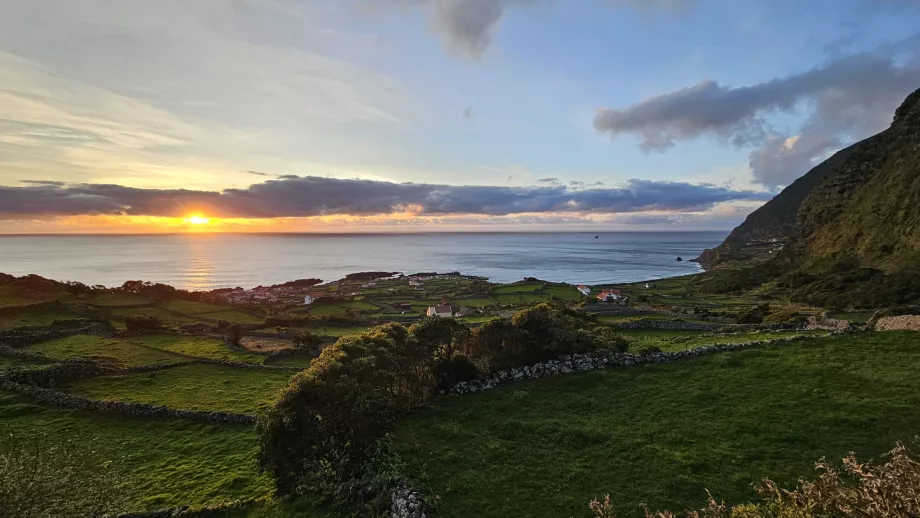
pixel 197 220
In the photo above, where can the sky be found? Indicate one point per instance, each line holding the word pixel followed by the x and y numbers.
pixel 432 115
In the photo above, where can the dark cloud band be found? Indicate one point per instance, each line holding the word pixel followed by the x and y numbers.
pixel 315 196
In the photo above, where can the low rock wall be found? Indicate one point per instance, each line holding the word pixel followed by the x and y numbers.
pixel 654 323
pixel 902 322
pixel 24 336
pixel 64 400
pixel 593 361
pixel 405 503
pixel 826 324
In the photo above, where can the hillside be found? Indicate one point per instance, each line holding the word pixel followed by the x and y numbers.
pixel 771 225
pixel 860 207
pixel 855 237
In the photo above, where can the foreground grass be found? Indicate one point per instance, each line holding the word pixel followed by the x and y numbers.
pixel 197 346
pixel 168 462
pixel 663 434
pixel 190 387
pixel 92 347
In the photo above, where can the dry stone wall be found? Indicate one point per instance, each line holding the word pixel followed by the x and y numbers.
pixel 592 361
pixel 902 322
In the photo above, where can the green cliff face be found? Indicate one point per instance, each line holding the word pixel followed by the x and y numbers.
pixel 860 207
pixel 866 211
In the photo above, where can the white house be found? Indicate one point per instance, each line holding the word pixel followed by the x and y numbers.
pixel 311 298
pixel 609 295
pixel 413 282
pixel 584 290
pixel 443 310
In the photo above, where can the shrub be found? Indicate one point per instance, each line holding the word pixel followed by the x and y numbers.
pixel 322 428
pixel 858 490
pixel 143 324
pixel 781 316
pixel 43 477
pixel 308 343
pixel 450 371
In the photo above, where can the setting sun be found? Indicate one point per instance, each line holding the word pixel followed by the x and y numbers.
pixel 198 220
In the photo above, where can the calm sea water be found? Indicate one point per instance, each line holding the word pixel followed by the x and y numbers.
pixel 208 261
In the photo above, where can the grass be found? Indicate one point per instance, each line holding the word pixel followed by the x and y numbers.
pixel 663 434
pixel 339 331
pixel 520 298
pixel 196 346
pixel 152 311
pixel 518 288
pixel 117 299
pixel 9 362
pixel 667 342
pixel 563 292
pixel 169 462
pixel 857 317
pixel 40 318
pixel 91 347
pixel 16 296
pixel 302 361
pixel 474 302
pixel 190 387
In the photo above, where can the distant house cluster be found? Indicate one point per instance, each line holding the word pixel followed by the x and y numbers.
pixel 260 294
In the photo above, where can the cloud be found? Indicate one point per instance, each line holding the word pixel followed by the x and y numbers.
pixel 780 159
pixel 548 179
pixel 846 99
pixel 315 196
pixel 467 27
pixel 257 173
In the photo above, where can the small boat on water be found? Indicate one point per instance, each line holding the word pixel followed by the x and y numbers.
pixel 595 237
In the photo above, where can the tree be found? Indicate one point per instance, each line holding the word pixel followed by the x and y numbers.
pixel 45 477
pixel 439 335
pixel 308 343
pixel 143 324
pixel 323 428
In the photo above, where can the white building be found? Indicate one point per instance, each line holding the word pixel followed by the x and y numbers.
pixel 584 290
pixel 443 310
pixel 311 298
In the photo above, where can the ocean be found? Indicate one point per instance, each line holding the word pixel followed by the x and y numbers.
pixel 209 261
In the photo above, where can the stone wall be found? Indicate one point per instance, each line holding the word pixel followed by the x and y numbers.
pixel 655 323
pixel 405 503
pixel 902 322
pixel 592 361
pixel 826 324
pixel 23 336
pixel 64 400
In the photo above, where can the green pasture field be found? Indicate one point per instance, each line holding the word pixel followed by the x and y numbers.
pixel 664 434
pixel 190 387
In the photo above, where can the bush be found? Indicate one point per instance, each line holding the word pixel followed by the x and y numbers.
pixel 857 490
pixel 308 342
pixel 450 371
pixel 322 429
pixel 142 324
pixel 44 477
pixel 780 317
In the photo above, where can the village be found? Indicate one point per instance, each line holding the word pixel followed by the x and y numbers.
pixel 432 295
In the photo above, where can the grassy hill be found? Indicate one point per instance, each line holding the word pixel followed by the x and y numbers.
pixel 663 434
